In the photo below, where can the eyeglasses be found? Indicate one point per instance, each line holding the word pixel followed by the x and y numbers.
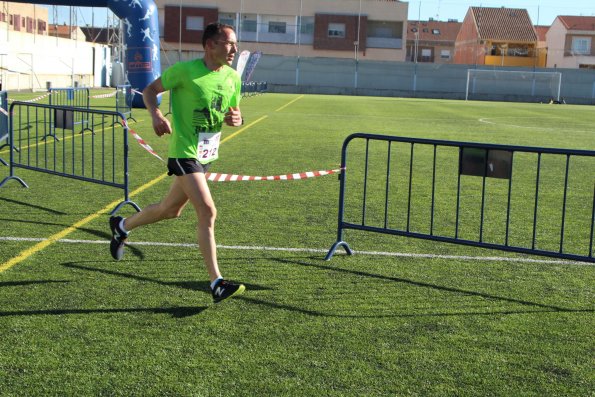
pixel 228 43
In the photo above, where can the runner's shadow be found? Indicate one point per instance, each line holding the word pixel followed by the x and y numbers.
pixel 203 286
pixel 29 282
pixel 176 312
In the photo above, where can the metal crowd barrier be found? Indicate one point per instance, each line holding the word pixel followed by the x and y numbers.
pixel 100 157
pixel 124 98
pixel 251 88
pixel 3 122
pixel 520 199
pixel 78 97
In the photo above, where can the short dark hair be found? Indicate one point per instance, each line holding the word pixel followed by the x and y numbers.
pixel 213 30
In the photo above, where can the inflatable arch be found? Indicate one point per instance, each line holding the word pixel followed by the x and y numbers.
pixel 141 37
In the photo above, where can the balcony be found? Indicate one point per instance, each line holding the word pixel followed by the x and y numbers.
pixel 384 42
pixel 507 60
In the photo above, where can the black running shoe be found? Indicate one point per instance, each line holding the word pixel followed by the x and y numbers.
pixel 116 246
pixel 224 289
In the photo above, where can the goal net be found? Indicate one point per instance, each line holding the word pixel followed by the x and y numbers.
pixel 513 85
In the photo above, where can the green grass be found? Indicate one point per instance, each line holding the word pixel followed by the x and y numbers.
pixel 74 322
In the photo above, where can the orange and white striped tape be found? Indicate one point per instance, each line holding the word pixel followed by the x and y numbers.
pixel 217 177
pixel 111 94
pixel 31 100
pixel 141 141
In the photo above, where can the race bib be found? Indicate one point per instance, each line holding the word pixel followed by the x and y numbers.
pixel 208 146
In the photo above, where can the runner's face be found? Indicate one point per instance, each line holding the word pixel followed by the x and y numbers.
pixel 226 46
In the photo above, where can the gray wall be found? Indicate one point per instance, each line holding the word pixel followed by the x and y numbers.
pixel 406 79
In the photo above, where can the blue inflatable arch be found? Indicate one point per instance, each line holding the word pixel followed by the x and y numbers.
pixel 141 37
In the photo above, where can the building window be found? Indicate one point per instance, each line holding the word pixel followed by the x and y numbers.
pixel 435 31
pixel 306 25
pixel 228 19
pixel 581 45
pixel 445 54
pixel 249 25
pixel 195 23
pixel 336 30
pixel 277 27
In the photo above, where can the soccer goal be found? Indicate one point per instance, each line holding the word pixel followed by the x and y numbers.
pixel 514 85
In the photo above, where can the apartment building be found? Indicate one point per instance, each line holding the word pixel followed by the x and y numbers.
pixel 571 42
pixel 371 29
pixel 431 41
pixel 23 17
pixel 498 37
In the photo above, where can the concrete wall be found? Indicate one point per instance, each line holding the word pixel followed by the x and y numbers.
pixel 28 62
pixel 405 79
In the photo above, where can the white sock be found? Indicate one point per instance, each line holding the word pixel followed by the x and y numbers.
pixel 121 225
pixel 214 283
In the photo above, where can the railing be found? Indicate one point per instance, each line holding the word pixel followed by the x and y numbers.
pixel 514 198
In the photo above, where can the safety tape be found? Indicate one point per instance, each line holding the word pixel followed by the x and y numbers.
pixel 31 100
pixel 217 177
pixel 3 112
pixel 141 141
pixel 111 94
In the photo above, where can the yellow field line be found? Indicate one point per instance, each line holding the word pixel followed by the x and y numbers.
pixel 289 103
pixel 243 129
pixel 55 237
pixel 47 141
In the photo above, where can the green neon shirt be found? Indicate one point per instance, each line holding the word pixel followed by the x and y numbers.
pixel 200 98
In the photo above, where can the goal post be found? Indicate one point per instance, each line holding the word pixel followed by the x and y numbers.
pixel 519 85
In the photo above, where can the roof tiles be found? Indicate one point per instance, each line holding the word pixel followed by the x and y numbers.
pixel 507 24
pixel 572 22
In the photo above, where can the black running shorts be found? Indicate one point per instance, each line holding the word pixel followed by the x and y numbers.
pixel 181 167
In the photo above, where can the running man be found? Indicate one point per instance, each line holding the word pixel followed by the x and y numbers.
pixel 205 95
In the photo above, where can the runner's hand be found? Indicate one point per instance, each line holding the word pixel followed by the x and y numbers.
pixel 161 125
pixel 233 117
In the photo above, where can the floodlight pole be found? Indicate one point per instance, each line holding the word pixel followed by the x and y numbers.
pixel 299 42
pixel 356 42
pixel 180 34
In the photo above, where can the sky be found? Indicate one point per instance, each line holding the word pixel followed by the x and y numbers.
pixel 542 12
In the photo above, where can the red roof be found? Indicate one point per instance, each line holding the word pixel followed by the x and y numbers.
pixel 433 30
pixel 572 22
pixel 541 31
pixel 505 24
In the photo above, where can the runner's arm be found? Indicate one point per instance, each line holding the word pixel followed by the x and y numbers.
pixel 161 125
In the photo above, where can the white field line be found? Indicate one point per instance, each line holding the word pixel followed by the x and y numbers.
pixel 321 251
pixel 487 120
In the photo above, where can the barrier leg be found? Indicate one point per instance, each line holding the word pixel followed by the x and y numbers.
pixel 22 182
pixel 336 245
pixel 121 204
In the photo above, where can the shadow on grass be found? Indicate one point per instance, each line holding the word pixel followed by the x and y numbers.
pixel 102 235
pixel 203 286
pixel 176 312
pixel 544 308
pixel 29 282
pixel 38 207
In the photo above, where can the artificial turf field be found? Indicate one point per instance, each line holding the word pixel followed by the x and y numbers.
pixel 399 317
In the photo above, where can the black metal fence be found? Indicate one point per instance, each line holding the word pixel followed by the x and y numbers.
pixel 521 199
pixel 100 157
pixel 3 122
pixel 124 98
